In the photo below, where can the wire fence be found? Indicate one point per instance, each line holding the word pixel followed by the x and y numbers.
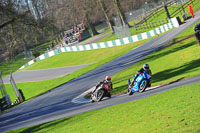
pixel 122 31
pixel 152 24
pixel 146 11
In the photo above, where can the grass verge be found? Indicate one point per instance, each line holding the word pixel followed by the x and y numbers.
pixel 176 110
pixel 14 65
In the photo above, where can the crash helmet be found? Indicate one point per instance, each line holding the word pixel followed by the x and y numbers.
pixel 108 78
pixel 146 67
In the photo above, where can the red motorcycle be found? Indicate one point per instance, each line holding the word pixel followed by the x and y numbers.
pixel 101 92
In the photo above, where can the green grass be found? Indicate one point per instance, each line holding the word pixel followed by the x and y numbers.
pixel 14 65
pixel 11 65
pixel 176 110
pixel 33 89
pixel 179 61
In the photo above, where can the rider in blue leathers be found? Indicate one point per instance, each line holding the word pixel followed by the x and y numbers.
pixel 146 69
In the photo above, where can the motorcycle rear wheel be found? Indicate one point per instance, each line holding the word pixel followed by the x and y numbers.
pixel 129 91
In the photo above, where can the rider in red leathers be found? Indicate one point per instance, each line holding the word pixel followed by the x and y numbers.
pixel 108 82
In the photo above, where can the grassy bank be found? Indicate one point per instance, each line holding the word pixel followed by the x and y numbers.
pixel 176 62
pixel 176 110
pixel 14 65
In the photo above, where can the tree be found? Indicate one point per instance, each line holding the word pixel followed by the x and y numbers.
pixel 19 28
pixel 102 5
pixel 120 12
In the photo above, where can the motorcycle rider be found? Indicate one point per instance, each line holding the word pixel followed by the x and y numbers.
pixel 107 81
pixel 144 68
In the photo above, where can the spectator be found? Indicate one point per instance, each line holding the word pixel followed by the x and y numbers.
pixel 73 32
pixel 84 24
pixel 190 10
pixel 75 28
pixel 52 44
pixel 66 40
pixel 79 36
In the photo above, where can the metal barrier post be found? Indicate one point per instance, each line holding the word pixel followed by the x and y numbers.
pixel 2 87
pixel 12 81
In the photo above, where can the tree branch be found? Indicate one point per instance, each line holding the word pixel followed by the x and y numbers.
pixel 14 19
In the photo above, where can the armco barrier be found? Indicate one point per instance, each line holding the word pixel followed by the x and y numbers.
pixel 174 22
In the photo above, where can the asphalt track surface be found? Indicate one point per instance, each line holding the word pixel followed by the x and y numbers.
pixel 58 103
pixel 94 39
pixel 42 74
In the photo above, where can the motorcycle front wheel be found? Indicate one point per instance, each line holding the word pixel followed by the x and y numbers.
pixel 100 94
pixel 143 86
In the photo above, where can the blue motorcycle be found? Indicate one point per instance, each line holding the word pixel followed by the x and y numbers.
pixel 139 84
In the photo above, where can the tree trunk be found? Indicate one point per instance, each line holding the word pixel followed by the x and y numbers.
pixel 27 5
pixel 120 12
pixel 94 31
pixel 92 27
pixel 106 15
pixel 12 44
pixel 35 9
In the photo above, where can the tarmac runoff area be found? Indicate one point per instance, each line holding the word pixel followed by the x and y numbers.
pixel 42 74
pixel 84 97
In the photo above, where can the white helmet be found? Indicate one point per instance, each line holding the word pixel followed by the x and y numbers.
pixel 146 67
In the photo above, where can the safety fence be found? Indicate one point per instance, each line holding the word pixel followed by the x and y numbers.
pixel 161 29
pixel 152 24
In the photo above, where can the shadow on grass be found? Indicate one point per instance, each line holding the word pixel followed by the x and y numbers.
pixel 42 126
pixel 155 56
pixel 52 125
pixel 169 73
pixel 120 89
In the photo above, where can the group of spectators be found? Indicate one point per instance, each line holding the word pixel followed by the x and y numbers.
pixel 75 33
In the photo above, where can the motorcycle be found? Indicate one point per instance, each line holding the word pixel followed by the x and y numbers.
pixel 139 84
pixel 100 93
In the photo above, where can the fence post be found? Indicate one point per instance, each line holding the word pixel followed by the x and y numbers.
pixel 15 88
pixel 183 7
pixel 2 87
pixel 166 10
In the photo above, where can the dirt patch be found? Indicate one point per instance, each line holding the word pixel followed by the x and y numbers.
pixel 177 41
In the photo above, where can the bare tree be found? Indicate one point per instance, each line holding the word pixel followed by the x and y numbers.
pixel 103 7
pixel 120 12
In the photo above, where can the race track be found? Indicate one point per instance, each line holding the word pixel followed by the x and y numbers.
pixel 58 103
